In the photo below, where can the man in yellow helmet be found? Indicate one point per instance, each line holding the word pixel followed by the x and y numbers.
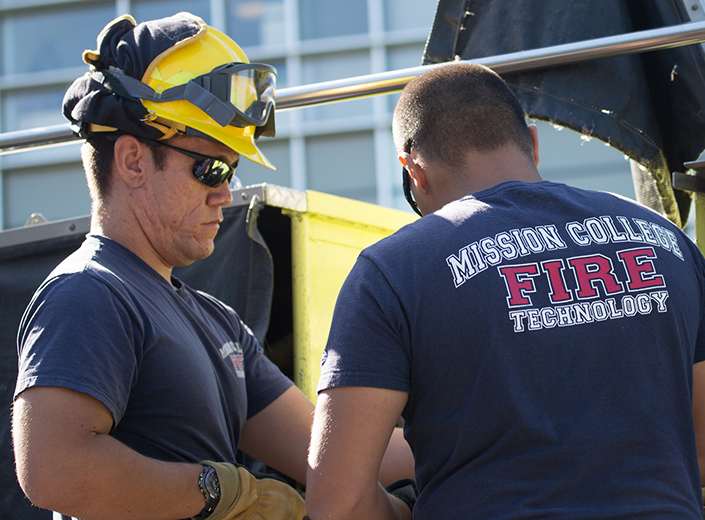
pixel 134 391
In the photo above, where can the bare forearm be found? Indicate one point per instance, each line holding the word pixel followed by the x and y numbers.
pixel 67 462
pixel 398 461
pixel 350 437
pixel 385 507
pixel 279 435
pixel 105 480
pixel 379 505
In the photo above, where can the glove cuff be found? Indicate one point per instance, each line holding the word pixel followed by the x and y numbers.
pixel 229 484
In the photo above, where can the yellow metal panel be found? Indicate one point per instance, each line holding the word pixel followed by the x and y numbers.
pixel 700 221
pixel 326 240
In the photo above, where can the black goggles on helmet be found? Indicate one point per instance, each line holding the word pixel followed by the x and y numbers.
pixel 236 94
pixel 210 171
pixel 247 87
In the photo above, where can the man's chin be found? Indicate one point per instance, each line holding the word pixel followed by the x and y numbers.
pixel 195 255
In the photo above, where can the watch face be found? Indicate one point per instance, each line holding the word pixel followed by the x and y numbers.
pixel 211 483
pixel 210 488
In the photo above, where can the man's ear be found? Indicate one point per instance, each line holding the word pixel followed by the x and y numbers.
pixel 131 159
pixel 418 175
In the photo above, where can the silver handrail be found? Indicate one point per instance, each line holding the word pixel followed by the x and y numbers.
pixel 598 48
pixel 393 81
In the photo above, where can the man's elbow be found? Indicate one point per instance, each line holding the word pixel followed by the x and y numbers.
pixel 44 488
pixel 38 492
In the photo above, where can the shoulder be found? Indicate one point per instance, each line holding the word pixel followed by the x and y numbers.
pixel 74 283
pixel 100 259
pixel 97 279
pixel 72 299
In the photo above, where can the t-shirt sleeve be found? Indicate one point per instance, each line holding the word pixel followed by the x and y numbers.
pixel 369 342
pixel 76 334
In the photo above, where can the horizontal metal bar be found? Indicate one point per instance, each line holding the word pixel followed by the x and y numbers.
pixel 393 81
pixel 45 231
pixel 21 140
pixel 270 194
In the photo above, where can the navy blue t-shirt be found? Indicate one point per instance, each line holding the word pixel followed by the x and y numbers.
pixel 545 336
pixel 177 369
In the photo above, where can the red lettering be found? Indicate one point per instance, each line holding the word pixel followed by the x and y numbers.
pixel 591 270
pixel 640 269
pixel 559 292
pixel 519 282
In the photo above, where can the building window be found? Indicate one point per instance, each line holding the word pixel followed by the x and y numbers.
pixel 277 151
pixel 409 14
pixel 342 164
pixel 55 191
pixel 329 19
pixel 340 65
pixel 51 38
pixel 402 57
pixel 341 148
pixel 256 22
pixel 144 10
pixel 282 118
pixel 32 108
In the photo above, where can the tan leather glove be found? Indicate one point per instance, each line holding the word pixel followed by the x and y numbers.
pixel 242 496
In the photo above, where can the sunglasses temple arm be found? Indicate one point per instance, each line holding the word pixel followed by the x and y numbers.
pixel 406 183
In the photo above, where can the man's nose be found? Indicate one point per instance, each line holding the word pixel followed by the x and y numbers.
pixel 220 195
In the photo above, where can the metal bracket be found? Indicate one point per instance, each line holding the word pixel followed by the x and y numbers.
pixel 691 182
pixel 686 182
pixel 695 10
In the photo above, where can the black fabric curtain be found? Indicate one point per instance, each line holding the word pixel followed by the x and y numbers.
pixel 648 106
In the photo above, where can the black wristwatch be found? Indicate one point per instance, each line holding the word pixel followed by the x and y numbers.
pixel 210 487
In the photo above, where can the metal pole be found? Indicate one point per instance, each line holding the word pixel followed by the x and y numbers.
pixel 22 140
pixel 393 81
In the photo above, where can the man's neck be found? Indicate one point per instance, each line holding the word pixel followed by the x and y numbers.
pixel 484 171
pixel 127 232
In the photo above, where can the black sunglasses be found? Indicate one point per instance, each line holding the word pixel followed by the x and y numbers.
pixel 406 183
pixel 208 170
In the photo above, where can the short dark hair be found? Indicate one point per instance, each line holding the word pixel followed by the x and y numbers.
pixel 449 110
pixel 98 155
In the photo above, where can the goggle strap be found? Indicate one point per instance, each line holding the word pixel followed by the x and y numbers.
pixel 220 111
pixel 131 86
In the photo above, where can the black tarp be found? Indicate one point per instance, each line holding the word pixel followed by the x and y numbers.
pixel 649 106
pixel 240 272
